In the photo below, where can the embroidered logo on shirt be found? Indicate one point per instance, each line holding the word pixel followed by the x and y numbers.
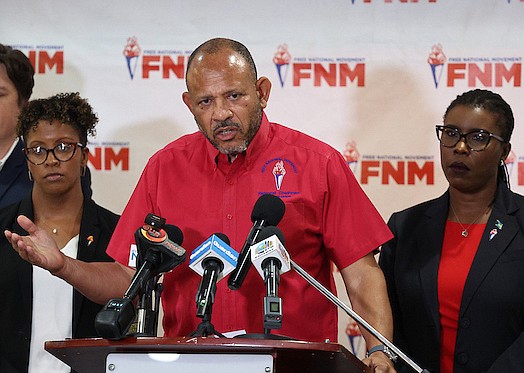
pixel 279 168
pixel 279 171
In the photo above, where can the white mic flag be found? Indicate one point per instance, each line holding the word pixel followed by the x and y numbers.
pixel 270 248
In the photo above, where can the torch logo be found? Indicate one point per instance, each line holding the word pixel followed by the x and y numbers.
pixel 351 155
pixel 279 172
pixel 436 60
pixel 131 52
pixel 281 60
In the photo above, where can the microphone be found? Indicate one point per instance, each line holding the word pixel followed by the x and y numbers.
pixel 270 252
pixel 268 210
pixel 213 260
pixel 270 258
pixel 165 239
pixel 156 254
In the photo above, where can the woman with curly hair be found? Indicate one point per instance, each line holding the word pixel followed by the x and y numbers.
pixel 38 306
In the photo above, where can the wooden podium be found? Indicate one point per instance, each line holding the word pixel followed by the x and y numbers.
pixel 211 354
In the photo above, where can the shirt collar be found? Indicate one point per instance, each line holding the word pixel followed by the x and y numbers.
pixel 256 146
pixel 9 152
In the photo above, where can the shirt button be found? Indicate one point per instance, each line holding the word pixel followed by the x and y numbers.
pixel 230 181
pixel 229 216
pixel 228 290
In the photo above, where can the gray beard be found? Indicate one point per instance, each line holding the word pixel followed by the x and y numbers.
pixel 254 125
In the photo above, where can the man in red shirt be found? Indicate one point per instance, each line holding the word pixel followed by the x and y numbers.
pixel 208 182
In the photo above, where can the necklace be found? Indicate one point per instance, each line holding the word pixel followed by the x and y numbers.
pixel 48 228
pixel 465 229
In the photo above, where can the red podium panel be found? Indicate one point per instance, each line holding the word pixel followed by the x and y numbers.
pixel 90 355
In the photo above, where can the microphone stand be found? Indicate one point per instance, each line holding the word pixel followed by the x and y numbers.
pixel 205 302
pixel 147 314
pixel 205 328
pixel 272 302
pixel 330 296
pixel 272 305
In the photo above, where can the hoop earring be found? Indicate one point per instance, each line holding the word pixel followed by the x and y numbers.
pixel 29 175
pixel 505 173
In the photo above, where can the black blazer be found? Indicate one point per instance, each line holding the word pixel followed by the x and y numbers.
pixel 490 334
pixel 16 282
pixel 14 180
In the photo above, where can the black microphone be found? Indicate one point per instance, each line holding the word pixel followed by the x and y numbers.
pixel 268 210
pixel 156 254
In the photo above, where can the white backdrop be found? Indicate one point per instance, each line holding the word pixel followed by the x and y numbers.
pixel 358 76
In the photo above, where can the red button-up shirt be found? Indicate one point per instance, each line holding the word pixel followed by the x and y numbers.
pixel 328 218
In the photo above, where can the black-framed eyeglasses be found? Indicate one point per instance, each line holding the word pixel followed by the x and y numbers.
pixel 62 152
pixel 476 140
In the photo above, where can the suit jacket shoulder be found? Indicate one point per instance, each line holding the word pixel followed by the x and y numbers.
pixel 14 180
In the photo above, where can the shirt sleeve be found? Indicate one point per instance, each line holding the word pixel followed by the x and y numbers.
pixel 142 202
pixel 352 226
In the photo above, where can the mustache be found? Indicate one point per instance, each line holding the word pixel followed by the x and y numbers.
pixel 223 124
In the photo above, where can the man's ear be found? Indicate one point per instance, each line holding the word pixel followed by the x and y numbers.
pixel 263 86
pixel 186 97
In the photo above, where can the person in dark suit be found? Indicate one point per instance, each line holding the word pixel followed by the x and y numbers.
pixel 37 306
pixel 454 268
pixel 16 87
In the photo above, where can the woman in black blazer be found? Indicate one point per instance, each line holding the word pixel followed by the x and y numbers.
pixel 455 269
pixel 37 306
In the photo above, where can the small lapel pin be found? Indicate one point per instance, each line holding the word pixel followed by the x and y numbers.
pixel 90 240
pixel 493 233
pixel 499 224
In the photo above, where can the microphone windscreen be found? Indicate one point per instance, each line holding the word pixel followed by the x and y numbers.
pixel 269 208
pixel 269 231
pixel 174 233
pixel 223 237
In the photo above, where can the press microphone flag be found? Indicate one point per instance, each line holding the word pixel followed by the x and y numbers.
pixel 268 210
pixel 214 247
pixel 267 249
pixel 213 260
pixel 160 239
